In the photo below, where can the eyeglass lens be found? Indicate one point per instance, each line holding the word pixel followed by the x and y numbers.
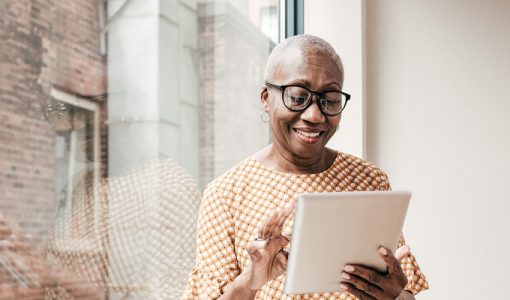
pixel 297 98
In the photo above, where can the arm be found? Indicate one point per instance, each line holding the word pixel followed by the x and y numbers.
pixel 267 259
pixel 216 263
pixel 416 281
pixel 239 289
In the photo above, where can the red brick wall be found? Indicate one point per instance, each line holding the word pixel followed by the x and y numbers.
pixel 45 43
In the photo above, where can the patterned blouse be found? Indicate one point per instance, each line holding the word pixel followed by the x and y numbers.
pixel 235 204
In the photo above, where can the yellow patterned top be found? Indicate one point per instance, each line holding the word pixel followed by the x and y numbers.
pixel 235 204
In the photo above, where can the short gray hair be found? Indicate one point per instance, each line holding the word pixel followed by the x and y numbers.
pixel 307 44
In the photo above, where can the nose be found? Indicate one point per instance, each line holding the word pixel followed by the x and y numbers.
pixel 313 114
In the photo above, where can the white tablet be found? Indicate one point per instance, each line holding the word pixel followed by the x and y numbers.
pixel 334 229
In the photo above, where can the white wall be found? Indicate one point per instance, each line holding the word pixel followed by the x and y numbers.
pixel 340 23
pixel 438 122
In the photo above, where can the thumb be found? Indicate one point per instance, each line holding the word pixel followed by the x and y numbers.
pixel 402 252
pixel 257 249
pixel 277 244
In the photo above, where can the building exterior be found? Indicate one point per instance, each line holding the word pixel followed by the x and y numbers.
pixel 97 96
pixel 47 46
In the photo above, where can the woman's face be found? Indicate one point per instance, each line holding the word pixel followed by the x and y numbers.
pixel 294 132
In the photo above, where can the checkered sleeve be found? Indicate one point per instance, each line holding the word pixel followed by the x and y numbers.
pixel 216 263
pixel 416 280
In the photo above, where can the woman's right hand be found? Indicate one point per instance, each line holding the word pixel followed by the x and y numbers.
pixel 268 260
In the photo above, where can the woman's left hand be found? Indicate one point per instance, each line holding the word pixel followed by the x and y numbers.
pixel 367 283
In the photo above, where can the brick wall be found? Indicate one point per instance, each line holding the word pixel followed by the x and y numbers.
pixel 45 44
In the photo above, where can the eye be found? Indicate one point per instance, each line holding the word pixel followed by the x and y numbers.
pixel 297 100
pixel 332 98
pixel 329 102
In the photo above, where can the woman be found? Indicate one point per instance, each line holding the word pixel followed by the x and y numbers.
pixel 245 214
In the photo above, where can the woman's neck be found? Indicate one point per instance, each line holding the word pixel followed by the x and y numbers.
pixel 283 161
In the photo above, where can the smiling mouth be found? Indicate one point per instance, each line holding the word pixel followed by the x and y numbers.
pixel 307 134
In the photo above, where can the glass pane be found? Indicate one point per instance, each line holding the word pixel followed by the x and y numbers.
pixel 114 117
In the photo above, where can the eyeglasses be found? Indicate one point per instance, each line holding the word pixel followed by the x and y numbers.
pixel 297 98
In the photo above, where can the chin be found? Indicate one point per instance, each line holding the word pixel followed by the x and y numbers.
pixel 306 151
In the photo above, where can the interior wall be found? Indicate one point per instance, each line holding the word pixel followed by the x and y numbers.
pixel 340 23
pixel 438 83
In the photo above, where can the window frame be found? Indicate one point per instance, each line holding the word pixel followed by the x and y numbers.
pixel 94 108
pixel 294 17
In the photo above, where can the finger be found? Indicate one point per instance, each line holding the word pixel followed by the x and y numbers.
pixel 265 226
pixel 269 224
pixel 280 264
pixel 362 285
pixel 273 220
pixel 391 261
pixel 284 216
pixel 275 229
pixel 278 228
pixel 274 224
pixel 282 258
pixel 402 252
pixel 356 292
pixel 289 209
pixel 255 248
pixel 276 245
pixel 287 233
pixel 367 274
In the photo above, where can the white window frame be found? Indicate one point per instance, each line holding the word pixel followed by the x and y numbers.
pixel 94 108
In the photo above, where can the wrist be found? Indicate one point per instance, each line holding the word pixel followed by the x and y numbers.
pixel 240 288
pixel 245 281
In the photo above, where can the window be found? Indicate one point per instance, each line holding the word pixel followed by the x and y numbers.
pixel 115 115
pixel 77 143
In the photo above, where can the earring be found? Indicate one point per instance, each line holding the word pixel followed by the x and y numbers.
pixel 337 127
pixel 262 114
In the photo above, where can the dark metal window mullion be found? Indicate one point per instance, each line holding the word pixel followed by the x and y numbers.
pixel 294 17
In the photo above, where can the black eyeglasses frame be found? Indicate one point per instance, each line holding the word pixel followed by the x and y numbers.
pixel 282 88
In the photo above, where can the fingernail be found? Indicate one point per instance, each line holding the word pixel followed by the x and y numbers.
pixel 383 251
pixel 343 286
pixel 349 268
pixel 345 276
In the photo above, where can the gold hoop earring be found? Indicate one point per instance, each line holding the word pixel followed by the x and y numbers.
pixel 262 114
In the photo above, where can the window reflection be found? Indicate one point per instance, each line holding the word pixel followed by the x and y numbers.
pixel 115 115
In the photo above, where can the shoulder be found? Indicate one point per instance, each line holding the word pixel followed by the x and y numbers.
pixel 362 170
pixel 224 186
pixel 353 161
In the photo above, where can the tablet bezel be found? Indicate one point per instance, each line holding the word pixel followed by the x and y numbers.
pixel 378 216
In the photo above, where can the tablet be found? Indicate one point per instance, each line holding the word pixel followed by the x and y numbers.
pixel 334 229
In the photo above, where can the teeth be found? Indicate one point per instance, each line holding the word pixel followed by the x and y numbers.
pixel 308 134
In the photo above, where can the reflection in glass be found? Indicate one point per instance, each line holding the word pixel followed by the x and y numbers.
pixel 114 116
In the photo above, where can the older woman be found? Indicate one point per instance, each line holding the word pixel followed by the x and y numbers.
pixel 246 213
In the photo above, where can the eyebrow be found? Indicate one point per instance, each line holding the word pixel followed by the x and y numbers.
pixel 305 83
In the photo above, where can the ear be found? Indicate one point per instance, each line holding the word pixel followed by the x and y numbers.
pixel 264 98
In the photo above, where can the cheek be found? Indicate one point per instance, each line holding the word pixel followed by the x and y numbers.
pixel 334 121
pixel 281 121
